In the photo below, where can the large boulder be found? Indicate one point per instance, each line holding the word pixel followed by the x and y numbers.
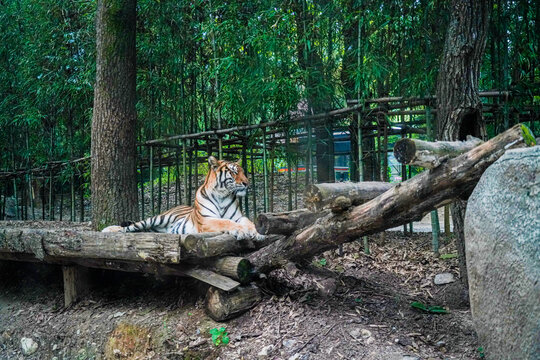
pixel 502 240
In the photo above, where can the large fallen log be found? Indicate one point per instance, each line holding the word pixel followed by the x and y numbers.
pixel 430 154
pixel 322 196
pixel 403 203
pixel 147 247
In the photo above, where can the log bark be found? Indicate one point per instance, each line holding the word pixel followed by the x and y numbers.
pixel 221 305
pixel 322 196
pixel 208 245
pixel 403 203
pixel 285 223
pixel 147 247
pixel 430 154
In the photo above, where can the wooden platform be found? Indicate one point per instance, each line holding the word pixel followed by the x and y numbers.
pixel 205 257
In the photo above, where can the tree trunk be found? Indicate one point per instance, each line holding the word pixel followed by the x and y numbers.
pixel 459 111
pixel 114 186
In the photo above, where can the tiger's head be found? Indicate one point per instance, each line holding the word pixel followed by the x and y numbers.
pixel 229 177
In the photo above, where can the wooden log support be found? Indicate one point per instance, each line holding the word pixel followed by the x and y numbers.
pixel 286 223
pixel 322 196
pixel 221 305
pixel 430 154
pixel 75 283
pixel 406 201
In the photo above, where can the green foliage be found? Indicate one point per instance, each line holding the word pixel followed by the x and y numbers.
pixel 237 63
pixel 430 309
pixel 219 336
pixel 481 353
pixel 448 256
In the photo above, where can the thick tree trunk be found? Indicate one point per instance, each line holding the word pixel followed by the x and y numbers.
pixel 459 110
pixel 403 203
pixel 114 186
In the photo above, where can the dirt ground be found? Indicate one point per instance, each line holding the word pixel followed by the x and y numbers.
pixel 362 312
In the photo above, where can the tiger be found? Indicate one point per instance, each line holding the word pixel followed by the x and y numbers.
pixel 216 207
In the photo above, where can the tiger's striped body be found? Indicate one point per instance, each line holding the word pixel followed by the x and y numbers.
pixel 216 207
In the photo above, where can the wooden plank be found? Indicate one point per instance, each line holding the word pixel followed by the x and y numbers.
pixel 211 278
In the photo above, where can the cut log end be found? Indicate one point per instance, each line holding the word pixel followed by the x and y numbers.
pixel 222 305
pixel 237 268
pixel 404 151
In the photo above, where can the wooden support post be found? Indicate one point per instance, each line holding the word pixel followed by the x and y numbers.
pixel 75 283
pixel 221 305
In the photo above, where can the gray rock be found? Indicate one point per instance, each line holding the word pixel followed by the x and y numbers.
pixel 289 343
pixel 265 351
pixel 356 333
pixel 28 346
pixel 444 278
pixel 502 240
pixel 410 357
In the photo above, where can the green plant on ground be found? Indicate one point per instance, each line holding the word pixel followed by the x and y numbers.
pixel 219 336
pixel 431 309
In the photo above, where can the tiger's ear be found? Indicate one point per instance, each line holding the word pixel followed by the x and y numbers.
pixel 213 162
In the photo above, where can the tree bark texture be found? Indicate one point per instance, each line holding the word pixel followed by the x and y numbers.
pixel 430 154
pixel 402 204
pixel 459 109
pixel 286 223
pixel 221 305
pixel 322 196
pixel 458 104
pixel 114 186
